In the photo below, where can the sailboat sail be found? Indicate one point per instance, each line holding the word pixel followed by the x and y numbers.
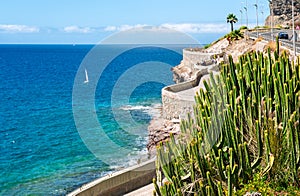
pixel 86 77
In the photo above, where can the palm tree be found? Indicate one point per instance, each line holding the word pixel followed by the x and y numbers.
pixel 231 18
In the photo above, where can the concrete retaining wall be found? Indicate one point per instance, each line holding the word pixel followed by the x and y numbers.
pixel 120 182
pixel 177 105
pixel 190 57
pixel 180 86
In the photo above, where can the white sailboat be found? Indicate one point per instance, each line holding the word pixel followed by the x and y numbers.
pixel 86 76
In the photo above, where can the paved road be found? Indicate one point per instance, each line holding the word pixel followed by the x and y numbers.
pixel 288 43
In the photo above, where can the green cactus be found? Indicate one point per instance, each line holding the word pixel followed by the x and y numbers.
pixel 220 190
pixel 246 121
pixel 229 180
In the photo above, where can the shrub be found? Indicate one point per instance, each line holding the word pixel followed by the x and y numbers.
pixel 243 27
pixel 234 35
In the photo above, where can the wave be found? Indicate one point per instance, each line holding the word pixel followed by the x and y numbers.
pixel 135 107
pixel 133 158
pixel 153 110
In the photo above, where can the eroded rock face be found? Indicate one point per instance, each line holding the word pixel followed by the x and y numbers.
pixel 159 131
pixel 284 7
pixel 181 73
pixel 195 60
pixel 281 11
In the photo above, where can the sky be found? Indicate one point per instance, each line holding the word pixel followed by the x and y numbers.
pixel 90 21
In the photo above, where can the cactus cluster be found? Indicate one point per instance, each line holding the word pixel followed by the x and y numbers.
pixel 245 121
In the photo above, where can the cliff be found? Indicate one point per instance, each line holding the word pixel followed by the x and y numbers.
pixel 281 11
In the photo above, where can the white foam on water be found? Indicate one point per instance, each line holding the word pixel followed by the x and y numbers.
pixel 137 156
pixel 153 110
pixel 133 158
pixel 136 107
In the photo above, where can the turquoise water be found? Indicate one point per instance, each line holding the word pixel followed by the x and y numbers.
pixel 41 149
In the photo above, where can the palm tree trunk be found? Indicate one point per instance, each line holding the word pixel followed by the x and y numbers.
pixel 231 26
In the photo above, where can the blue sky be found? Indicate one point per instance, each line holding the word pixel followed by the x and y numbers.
pixel 89 21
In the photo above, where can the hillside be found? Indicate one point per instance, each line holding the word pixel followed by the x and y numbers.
pixel 281 10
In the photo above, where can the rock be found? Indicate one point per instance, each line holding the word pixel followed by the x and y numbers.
pixel 281 12
pixel 159 130
pixel 239 47
pixel 181 73
pixel 218 47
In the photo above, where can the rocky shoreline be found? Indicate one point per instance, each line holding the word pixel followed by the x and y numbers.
pixel 159 130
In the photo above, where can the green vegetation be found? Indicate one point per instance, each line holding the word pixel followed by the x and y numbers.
pixel 243 27
pixel 260 184
pixel 231 18
pixel 234 35
pixel 207 46
pixel 244 136
pixel 261 27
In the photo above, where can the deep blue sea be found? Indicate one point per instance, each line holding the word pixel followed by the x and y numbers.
pixel 42 152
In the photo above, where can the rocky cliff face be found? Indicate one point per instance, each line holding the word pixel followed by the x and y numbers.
pixel 281 11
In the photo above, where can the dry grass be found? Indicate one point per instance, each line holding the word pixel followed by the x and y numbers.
pixel 271 45
pixel 259 39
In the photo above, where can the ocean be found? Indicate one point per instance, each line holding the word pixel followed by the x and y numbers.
pixel 42 150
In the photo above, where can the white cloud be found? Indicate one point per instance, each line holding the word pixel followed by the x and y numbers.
pixel 124 27
pixel 18 28
pixel 110 28
pixel 182 27
pixel 76 29
pixel 198 27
